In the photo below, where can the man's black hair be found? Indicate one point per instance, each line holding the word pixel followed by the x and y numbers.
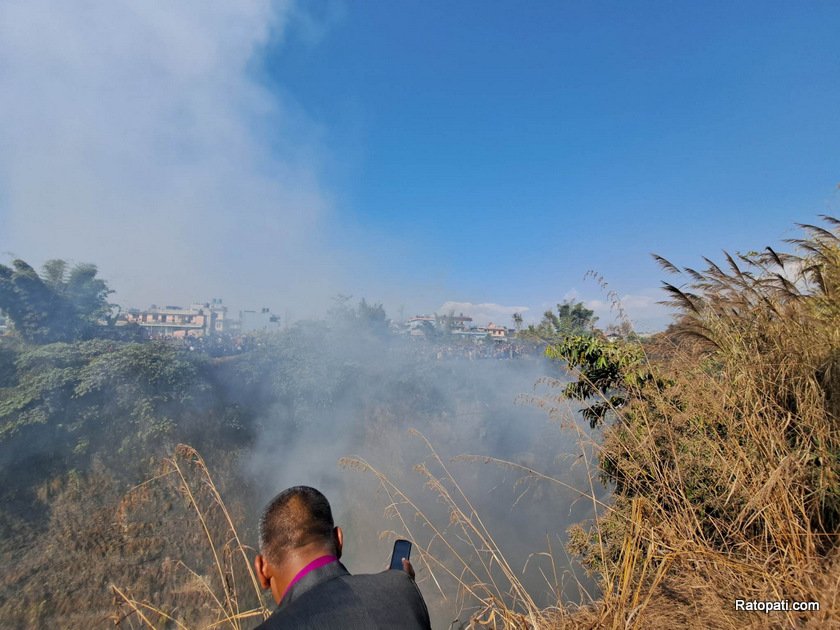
pixel 294 518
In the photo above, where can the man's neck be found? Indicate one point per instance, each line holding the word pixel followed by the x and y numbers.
pixel 297 564
pixel 315 564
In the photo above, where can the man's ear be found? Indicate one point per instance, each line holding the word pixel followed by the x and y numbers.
pixel 263 572
pixel 339 541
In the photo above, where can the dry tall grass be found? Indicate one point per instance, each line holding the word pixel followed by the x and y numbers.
pixel 461 551
pixel 726 471
pixel 225 590
pixel 727 479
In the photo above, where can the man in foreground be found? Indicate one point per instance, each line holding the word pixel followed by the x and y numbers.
pixel 299 556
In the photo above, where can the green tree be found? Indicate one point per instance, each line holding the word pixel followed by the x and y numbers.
pixel 62 304
pixel 572 318
pixel 609 374
pixel 372 317
pixel 367 317
pixel 71 402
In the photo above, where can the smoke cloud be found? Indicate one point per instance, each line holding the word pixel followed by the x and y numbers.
pixel 138 136
pixel 359 394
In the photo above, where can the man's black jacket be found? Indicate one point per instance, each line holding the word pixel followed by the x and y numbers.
pixel 329 597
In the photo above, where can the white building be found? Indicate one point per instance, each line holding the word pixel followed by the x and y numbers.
pixel 198 320
pixel 254 321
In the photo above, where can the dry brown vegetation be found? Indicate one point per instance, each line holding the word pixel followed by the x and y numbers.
pixel 725 467
pixel 727 478
pixel 149 541
pixel 217 587
pixel 724 472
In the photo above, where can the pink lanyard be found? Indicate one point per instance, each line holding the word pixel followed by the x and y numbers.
pixel 317 563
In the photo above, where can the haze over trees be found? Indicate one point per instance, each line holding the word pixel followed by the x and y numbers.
pixel 716 443
pixel 571 318
pixel 86 415
pixel 63 303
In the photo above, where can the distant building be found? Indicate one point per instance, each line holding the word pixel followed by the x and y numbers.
pixel 254 321
pixel 422 318
pixel 495 331
pixel 421 325
pixel 460 322
pixel 199 320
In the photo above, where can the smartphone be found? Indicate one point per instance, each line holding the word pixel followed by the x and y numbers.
pixel 402 549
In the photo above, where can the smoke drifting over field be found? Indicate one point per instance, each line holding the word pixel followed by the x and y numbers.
pixel 374 390
pixel 145 137
pixel 138 136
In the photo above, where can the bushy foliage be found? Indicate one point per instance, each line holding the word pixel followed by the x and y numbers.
pixel 65 403
pixel 727 474
pixel 62 304
pixel 612 374
pixel 571 319
pixel 81 423
pixel 366 318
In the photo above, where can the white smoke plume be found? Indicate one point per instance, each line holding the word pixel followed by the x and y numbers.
pixel 138 136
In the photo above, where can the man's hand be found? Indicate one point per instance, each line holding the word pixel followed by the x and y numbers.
pixel 408 568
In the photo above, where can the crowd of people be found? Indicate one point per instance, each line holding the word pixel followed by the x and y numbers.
pixel 219 345
pixel 471 351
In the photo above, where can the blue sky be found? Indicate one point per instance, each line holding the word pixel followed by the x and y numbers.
pixel 482 155
pixel 514 146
